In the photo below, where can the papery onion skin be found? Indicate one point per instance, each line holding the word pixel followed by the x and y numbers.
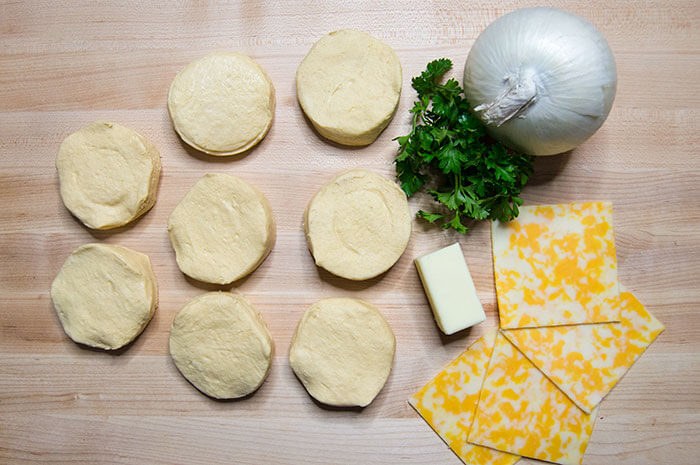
pixel 561 73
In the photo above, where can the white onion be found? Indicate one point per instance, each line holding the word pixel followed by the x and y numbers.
pixel 542 80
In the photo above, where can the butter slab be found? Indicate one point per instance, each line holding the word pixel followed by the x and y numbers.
pixel 450 289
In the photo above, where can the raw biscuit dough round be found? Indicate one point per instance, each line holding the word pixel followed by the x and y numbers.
pixel 108 175
pixel 358 225
pixel 105 295
pixel 349 86
pixel 220 343
pixel 222 104
pixel 222 230
pixel 342 351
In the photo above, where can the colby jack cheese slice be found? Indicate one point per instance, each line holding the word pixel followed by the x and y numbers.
pixel 556 265
pixel 522 412
pixel 448 403
pixel 586 361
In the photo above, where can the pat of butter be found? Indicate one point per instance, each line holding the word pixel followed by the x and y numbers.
pixel 450 289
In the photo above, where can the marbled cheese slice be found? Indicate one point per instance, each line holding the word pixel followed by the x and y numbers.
pixel 448 402
pixel 556 265
pixel 522 412
pixel 586 361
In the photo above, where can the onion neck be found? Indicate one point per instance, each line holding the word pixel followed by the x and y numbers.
pixel 520 92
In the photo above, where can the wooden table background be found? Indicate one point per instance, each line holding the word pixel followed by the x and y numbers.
pixel 64 64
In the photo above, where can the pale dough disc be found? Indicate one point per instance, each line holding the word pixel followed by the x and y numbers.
pixel 349 85
pixel 222 104
pixel 105 295
pixel 220 343
pixel 222 230
pixel 342 352
pixel 108 175
pixel 358 225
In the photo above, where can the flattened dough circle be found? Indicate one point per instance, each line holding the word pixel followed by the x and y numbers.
pixel 222 230
pixel 222 104
pixel 342 351
pixel 108 175
pixel 105 295
pixel 358 225
pixel 349 85
pixel 220 343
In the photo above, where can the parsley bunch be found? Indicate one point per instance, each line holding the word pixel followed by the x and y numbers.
pixel 449 152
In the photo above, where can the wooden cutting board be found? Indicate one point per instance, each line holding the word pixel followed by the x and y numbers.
pixel 64 64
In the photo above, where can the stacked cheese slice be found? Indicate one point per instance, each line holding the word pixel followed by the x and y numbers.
pixel 568 334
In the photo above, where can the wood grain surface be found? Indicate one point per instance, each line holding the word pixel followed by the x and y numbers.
pixel 64 64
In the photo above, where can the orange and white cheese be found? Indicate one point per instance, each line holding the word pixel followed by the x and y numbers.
pixel 587 361
pixel 448 402
pixel 522 412
pixel 556 265
pixel 568 334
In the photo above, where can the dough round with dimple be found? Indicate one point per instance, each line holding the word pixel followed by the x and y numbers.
pixel 108 174
pixel 342 352
pixel 105 295
pixel 222 104
pixel 220 343
pixel 358 225
pixel 222 230
pixel 349 85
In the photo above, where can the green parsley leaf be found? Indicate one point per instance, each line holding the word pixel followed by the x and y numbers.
pixel 472 177
pixel 428 78
pixel 430 217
